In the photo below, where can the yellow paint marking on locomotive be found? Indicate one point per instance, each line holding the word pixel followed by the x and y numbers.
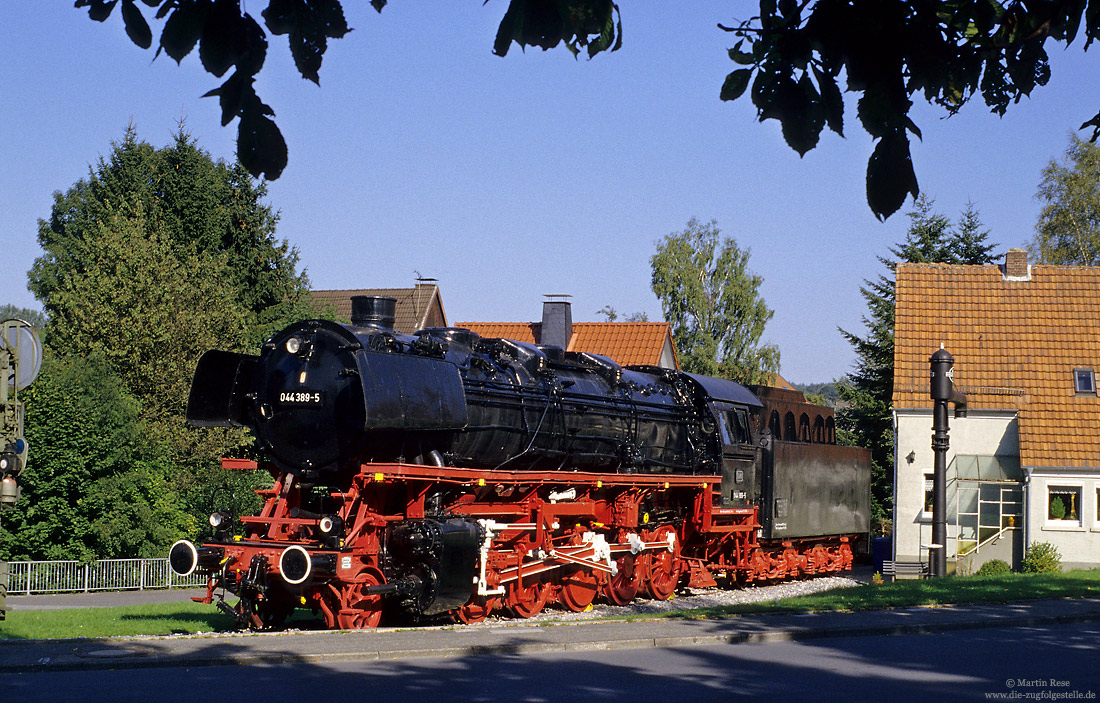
pixel 379 477
pixel 302 377
pixel 481 482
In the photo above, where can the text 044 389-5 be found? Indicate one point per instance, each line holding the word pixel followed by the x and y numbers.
pixel 301 397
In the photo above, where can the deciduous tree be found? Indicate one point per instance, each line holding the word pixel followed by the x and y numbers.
pixel 96 485
pixel 230 40
pixel 1068 230
pixel 795 59
pixel 713 302
pixel 157 256
pixel 198 205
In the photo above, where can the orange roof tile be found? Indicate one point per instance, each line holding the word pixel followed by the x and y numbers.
pixel 628 343
pixel 1015 344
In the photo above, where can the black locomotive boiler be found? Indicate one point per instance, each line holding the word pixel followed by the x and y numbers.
pixel 446 473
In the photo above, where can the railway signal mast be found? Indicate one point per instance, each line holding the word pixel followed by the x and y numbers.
pixel 942 392
pixel 20 361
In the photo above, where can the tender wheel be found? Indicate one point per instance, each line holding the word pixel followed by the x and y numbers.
pixel 622 587
pixel 527 600
pixel 578 589
pixel 662 565
pixel 476 610
pixel 359 610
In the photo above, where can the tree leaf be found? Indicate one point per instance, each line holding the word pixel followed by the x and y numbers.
pixel 735 84
pixel 232 95
pixel 890 175
pixel 832 103
pixel 739 57
pixel 136 26
pixel 222 39
pixel 508 29
pixel 1095 124
pixel 183 29
pixel 260 145
pixel 98 10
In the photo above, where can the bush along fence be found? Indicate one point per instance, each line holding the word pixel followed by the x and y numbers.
pixel 28 577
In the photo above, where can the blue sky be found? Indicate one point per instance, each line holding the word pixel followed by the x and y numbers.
pixel 510 178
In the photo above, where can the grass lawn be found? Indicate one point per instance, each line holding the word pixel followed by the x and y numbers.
pixel 187 617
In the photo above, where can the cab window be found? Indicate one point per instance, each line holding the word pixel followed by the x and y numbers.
pixel 734 424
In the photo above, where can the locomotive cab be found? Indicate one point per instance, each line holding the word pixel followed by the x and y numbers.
pixel 733 437
pixel 740 455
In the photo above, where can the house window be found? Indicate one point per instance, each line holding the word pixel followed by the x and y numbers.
pixel 929 497
pixel 1084 382
pixel 1064 503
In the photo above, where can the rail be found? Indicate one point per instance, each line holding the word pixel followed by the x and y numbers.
pixel 29 577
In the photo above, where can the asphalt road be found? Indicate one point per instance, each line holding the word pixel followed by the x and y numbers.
pixel 1049 662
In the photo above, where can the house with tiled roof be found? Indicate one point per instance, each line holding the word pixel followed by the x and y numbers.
pixel 417 307
pixel 1024 464
pixel 627 343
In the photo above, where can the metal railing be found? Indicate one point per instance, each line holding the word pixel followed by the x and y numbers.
pixel 28 577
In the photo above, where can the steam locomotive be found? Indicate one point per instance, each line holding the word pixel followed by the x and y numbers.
pixel 443 473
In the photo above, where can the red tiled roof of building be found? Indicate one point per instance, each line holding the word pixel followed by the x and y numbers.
pixel 1016 344
pixel 628 343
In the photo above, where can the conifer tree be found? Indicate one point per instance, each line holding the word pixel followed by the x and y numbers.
pixel 867 393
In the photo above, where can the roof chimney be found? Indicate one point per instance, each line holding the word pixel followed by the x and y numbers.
pixel 557 321
pixel 1016 268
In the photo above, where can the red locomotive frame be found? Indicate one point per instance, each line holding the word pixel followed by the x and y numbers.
pixel 550 537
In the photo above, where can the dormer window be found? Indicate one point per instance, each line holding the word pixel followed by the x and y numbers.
pixel 1084 382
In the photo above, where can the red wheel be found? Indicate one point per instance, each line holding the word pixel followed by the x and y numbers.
pixel 622 586
pixel 820 559
pixel 527 600
pixel 358 609
pixel 577 590
pixel 663 565
pixel 476 610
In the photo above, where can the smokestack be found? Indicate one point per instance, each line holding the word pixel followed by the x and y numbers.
pixel 557 321
pixel 373 311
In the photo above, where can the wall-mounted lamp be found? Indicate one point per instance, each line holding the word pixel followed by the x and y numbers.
pixel 911 457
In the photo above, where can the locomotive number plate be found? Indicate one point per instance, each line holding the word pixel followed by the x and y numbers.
pixel 301 397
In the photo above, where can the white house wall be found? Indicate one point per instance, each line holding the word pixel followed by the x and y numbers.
pixel 985 433
pixel 1078 541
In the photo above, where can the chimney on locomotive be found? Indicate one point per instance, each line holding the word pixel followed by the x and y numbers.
pixel 375 311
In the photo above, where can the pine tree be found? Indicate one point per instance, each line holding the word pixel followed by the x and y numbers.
pixel 867 393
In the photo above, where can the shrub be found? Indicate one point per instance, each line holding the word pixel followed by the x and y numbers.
pixel 1042 557
pixel 994 567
